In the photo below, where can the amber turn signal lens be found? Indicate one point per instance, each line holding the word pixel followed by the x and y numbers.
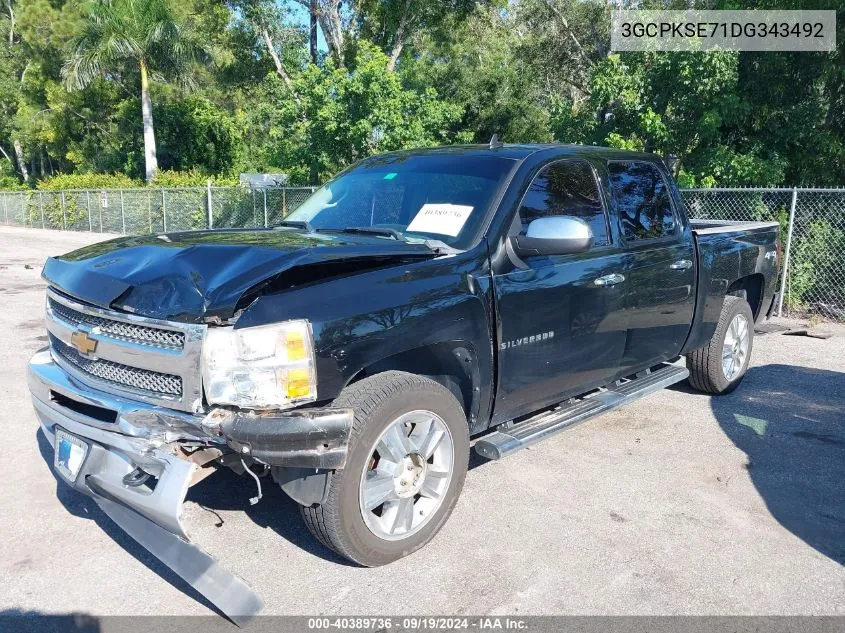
pixel 299 383
pixel 295 343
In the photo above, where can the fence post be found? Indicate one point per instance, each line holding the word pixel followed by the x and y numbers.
pixel 5 210
pixel 122 213
pixel 88 206
pixel 266 223
pixel 149 204
pixel 41 207
pixel 254 210
pixel 790 226
pixel 64 213
pixel 163 210
pixel 284 202
pixel 208 203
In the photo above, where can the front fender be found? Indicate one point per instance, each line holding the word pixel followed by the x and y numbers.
pixel 362 320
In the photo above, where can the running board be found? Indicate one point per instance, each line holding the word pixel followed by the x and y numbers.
pixel 521 434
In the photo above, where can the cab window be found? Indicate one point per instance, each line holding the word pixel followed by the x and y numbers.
pixel 642 199
pixel 566 188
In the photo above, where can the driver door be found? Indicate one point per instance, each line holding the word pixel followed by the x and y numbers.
pixel 560 332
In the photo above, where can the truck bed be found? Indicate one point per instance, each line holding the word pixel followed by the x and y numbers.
pixel 729 251
pixel 710 227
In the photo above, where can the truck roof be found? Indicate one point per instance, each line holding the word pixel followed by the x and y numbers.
pixel 520 151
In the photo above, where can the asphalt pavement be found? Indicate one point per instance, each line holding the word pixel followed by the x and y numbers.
pixel 679 504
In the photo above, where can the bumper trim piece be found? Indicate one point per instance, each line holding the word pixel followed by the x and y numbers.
pixel 229 593
pixel 152 515
pixel 303 438
pixel 138 474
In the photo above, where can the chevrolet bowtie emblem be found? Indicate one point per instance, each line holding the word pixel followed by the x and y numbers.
pixel 82 342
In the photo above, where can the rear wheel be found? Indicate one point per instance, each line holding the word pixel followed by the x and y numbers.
pixel 408 456
pixel 721 365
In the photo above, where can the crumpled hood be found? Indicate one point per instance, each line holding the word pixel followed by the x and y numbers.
pixel 201 276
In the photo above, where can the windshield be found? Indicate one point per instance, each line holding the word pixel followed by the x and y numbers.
pixel 431 196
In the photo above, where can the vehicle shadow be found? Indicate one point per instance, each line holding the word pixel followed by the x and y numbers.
pixel 23 621
pixel 790 422
pixel 82 506
pixel 226 490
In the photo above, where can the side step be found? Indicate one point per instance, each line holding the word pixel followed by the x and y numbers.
pixel 502 443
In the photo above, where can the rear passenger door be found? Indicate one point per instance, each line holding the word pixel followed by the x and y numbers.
pixel 659 265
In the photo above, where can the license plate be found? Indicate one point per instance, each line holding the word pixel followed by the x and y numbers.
pixel 70 454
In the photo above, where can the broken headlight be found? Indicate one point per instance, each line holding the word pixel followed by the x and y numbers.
pixel 263 367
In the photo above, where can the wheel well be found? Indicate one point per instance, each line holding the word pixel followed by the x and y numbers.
pixel 749 288
pixel 453 365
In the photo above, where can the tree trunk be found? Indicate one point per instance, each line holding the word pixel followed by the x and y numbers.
pixel 21 160
pixel 280 68
pixel 312 33
pixel 11 22
pixel 150 159
pixel 314 173
pixel 399 36
pixel 332 25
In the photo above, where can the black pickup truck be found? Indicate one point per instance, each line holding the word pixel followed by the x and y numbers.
pixel 418 302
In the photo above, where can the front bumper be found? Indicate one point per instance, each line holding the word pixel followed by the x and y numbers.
pixel 148 438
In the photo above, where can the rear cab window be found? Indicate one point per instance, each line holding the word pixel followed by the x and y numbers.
pixel 643 200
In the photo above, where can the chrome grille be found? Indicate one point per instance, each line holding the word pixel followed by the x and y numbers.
pixel 142 358
pixel 140 334
pixel 118 374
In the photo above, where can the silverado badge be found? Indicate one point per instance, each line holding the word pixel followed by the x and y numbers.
pixel 82 342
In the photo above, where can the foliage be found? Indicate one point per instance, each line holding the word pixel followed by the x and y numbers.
pixel 479 69
pixel 191 178
pixel 398 74
pixel 87 181
pixel 165 178
pixel 341 115
pixel 10 183
pixel 120 36
pixel 197 135
pixel 816 267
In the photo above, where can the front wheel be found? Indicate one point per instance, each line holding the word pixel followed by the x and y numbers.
pixel 407 461
pixel 720 366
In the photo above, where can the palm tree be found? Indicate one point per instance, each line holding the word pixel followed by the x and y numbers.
pixel 144 34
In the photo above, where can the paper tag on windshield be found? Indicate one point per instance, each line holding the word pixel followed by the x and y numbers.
pixel 444 219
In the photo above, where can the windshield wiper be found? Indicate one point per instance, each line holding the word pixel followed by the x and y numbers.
pixel 374 230
pixel 441 248
pixel 297 224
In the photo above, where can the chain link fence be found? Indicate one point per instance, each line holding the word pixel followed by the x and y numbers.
pixel 136 211
pixel 812 227
pixel 812 223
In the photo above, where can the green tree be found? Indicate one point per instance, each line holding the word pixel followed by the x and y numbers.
pixel 476 64
pixel 144 34
pixel 343 114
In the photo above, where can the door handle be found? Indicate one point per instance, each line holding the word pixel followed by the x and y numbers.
pixel 681 264
pixel 610 280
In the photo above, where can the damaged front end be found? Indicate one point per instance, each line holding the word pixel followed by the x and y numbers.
pixel 141 482
pixel 119 397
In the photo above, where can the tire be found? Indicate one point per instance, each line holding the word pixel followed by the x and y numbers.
pixel 384 404
pixel 707 365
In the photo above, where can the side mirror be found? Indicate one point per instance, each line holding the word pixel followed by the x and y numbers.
pixel 556 235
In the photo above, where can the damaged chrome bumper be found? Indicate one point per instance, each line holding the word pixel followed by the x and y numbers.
pixel 127 437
